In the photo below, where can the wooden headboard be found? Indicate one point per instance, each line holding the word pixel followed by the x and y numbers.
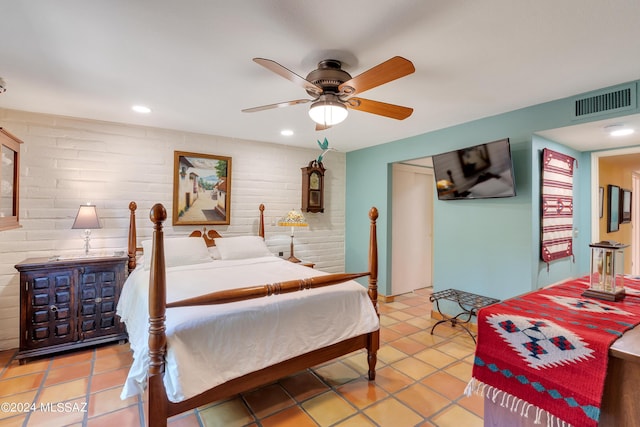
pixel 207 235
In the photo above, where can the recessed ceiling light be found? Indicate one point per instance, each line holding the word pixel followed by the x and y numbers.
pixel 141 109
pixel 622 132
pixel 286 132
pixel 618 130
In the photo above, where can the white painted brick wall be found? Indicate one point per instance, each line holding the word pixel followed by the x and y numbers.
pixel 66 162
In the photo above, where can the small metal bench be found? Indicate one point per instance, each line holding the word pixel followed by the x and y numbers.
pixel 468 302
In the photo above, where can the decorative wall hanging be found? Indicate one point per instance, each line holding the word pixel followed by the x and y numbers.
pixel 557 206
pixel 201 189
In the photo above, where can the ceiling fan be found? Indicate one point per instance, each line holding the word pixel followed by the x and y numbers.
pixel 333 90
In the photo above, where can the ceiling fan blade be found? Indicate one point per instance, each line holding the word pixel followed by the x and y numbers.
pixel 278 105
pixel 397 112
pixel 289 75
pixel 385 72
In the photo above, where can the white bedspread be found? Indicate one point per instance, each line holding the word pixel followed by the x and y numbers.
pixel 209 345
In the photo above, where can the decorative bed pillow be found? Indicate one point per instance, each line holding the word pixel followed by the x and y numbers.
pixel 214 252
pixel 242 247
pixel 179 251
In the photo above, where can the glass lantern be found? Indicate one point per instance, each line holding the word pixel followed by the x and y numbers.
pixel 606 280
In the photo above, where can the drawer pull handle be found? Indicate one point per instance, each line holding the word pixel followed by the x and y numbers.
pixel 98 300
pixel 53 308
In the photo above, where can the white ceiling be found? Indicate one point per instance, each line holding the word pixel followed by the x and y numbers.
pixel 190 61
pixel 595 136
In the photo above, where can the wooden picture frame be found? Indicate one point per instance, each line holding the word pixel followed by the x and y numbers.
pixel 625 206
pixel 601 202
pixel 201 189
pixel 613 208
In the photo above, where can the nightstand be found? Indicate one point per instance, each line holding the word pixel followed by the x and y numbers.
pixel 69 303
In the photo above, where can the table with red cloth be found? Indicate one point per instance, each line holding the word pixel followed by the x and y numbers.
pixel 545 353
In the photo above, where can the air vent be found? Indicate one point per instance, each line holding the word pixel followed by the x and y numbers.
pixel 606 102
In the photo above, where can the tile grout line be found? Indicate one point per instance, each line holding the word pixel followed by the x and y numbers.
pixel 39 392
pixel 6 366
pixel 335 390
pixel 5 369
pixel 139 398
pixel 85 417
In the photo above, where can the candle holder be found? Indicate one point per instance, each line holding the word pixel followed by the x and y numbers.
pixel 606 280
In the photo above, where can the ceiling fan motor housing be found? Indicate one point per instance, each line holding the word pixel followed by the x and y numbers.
pixel 328 76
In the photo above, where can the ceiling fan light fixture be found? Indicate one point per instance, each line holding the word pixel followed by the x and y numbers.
pixel 328 112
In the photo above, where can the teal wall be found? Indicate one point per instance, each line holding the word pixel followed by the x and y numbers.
pixel 491 246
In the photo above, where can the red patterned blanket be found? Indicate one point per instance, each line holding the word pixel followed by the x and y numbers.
pixel 546 352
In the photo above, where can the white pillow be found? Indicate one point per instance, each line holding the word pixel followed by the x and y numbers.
pixel 214 252
pixel 242 247
pixel 179 251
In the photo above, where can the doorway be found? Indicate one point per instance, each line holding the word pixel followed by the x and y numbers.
pixel 412 226
pixel 625 162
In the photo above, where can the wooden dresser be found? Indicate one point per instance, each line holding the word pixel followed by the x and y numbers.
pixel 69 303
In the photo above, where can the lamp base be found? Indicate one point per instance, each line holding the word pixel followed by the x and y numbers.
pixel 607 296
pixel 87 239
pixel 293 259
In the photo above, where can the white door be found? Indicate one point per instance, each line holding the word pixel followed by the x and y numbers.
pixel 412 228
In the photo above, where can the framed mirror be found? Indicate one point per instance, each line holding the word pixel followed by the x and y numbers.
pixel 625 206
pixel 9 180
pixel 613 208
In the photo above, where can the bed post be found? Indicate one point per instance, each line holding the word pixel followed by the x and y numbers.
pixel 261 226
pixel 157 401
pixel 131 249
pixel 374 338
pixel 373 258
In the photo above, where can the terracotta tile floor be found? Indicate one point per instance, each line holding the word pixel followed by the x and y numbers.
pixel 420 382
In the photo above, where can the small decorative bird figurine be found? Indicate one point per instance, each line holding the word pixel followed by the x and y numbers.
pixel 324 146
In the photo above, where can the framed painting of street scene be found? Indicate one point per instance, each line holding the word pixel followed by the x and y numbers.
pixel 201 189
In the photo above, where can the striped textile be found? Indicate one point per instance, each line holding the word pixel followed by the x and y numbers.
pixel 557 206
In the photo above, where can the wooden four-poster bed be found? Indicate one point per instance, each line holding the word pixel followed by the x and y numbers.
pixel 162 332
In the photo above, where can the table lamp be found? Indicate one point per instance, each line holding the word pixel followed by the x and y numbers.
pixel 293 219
pixel 87 219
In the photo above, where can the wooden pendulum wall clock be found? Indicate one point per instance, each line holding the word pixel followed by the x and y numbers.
pixel 313 187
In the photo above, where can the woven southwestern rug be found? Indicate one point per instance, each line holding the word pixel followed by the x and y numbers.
pixel 545 353
pixel 556 205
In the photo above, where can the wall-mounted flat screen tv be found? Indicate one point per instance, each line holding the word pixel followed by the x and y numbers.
pixel 477 172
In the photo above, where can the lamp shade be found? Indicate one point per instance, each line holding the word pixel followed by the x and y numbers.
pixel 293 219
pixel 328 112
pixel 87 218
